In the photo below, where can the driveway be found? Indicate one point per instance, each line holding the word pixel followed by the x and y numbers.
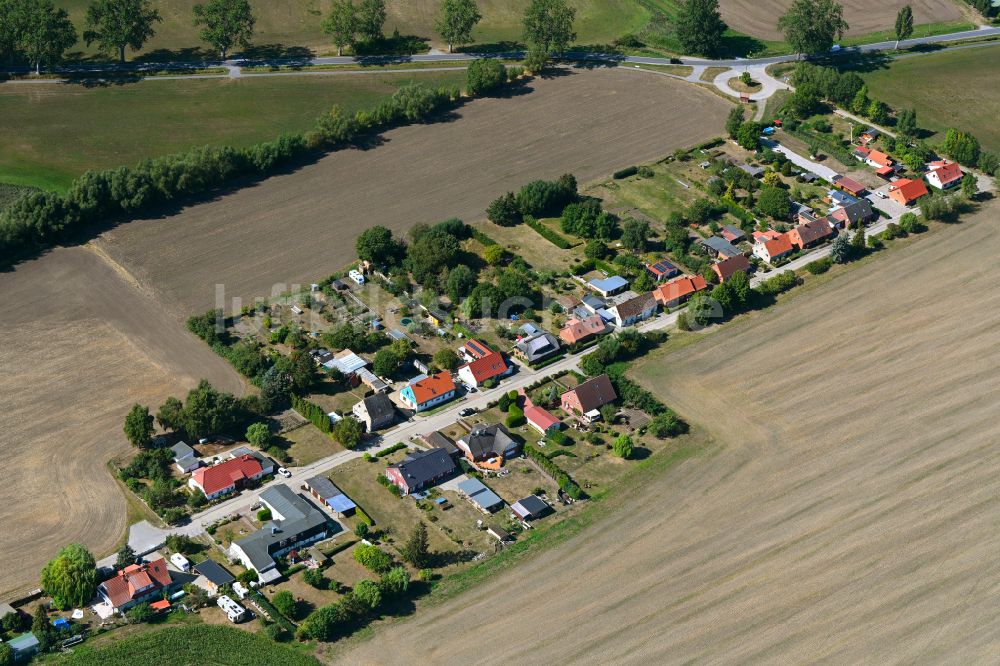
pixel 824 172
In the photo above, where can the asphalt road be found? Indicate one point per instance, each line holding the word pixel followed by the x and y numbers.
pixel 138 68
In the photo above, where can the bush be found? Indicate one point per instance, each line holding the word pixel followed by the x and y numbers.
pixel 264 515
pixel 372 558
pixel 548 234
pixel 515 417
pixel 484 75
pixel 625 173
pixel 819 266
pixel 315 578
pixel 543 198
pixel 778 284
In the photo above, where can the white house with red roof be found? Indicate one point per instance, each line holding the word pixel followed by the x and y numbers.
pixel 491 366
pixel 137 583
pixel 944 174
pixel 224 478
pixel 541 419
pixel 771 250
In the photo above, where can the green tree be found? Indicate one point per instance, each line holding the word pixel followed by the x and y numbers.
pixel 139 613
pixel 342 24
pixel 774 202
pixel 42 628
pixel 71 577
pixel 429 254
pixel 126 557
pixel 494 254
pixel 700 27
pixel 504 210
pixel 970 188
pixel 635 234
pixel 6 655
pixel 810 26
pixel 446 359
pixel 623 447
pixel 395 582
pixel 378 245
pixel 371 18
pixel 285 603
pixel 361 530
pixel 315 577
pixel 372 558
pixel 416 550
pixel 906 123
pixel 170 416
pixel 548 26
pixel 138 425
pixel 734 121
pixel 962 147
pixel 44 32
pixel 904 24
pixel 667 424
pixel 485 75
pixel 840 249
pixel 748 136
pixel 348 432
pixel 456 21
pixel 368 593
pixel 227 23
pixel 259 435
pixel 859 246
pixel 860 102
pixel 878 112
pixel 461 282
pixel 117 24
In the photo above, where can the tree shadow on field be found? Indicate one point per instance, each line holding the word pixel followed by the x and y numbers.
pixel 277 51
pixel 100 81
pixel 860 63
pixel 191 53
pixel 491 47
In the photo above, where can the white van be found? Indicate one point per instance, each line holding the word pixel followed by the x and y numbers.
pixel 180 562
pixel 356 276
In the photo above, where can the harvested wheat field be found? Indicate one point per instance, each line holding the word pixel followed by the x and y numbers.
pixel 760 18
pixel 81 345
pixel 298 227
pixel 847 510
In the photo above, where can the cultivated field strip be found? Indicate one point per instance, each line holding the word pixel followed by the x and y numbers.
pixel 760 18
pixel 846 512
pixel 297 227
pixel 81 345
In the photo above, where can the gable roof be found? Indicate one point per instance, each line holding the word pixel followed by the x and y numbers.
pixel 346 361
pixel 225 474
pixel 609 284
pixel 854 212
pixel 214 572
pixel 946 172
pixel 477 348
pixel 487 367
pixel 910 190
pixel 862 152
pixel 580 329
pixel 810 232
pixel 662 267
pixel 292 517
pixel 182 450
pixel 422 467
pixel 432 387
pixel 594 393
pixel 679 288
pixel 778 246
pixel 726 268
pixel 530 506
pixel 323 487
pixel 439 440
pixel 379 406
pixel 848 184
pixel 482 496
pixel 880 158
pixel 542 418
pixel 136 580
pixel 770 234
pixel 538 346
pixel 487 441
pixel 721 246
pixel 634 307
pixel 732 233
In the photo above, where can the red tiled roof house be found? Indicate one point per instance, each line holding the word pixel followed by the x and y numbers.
pixel 224 478
pixel 772 249
pixel 943 174
pixel 810 233
pixel 587 398
pixel 727 268
pixel 137 583
pixel 491 366
pixel 675 292
pixel 581 330
pixel 540 419
pixel 906 191
pixel 428 392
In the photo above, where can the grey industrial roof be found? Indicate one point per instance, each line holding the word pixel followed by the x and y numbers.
pixel 609 283
pixel 214 572
pixel 294 516
pixel 477 491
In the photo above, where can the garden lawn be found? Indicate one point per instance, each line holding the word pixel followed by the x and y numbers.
pixel 950 89
pixel 54 132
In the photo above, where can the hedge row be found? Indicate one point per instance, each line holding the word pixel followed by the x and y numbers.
pixel 39 219
pixel 313 412
pixel 278 618
pixel 565 481
pixel 547 233
pixel 625 173
pixel 391 449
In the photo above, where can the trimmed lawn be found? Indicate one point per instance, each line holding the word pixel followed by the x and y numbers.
pixel 951 89
pixel 307 445
pixel 54 132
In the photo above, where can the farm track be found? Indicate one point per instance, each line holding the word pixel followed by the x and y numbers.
pixel 295 228
pixel 846 510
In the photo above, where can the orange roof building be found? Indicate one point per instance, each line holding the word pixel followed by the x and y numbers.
pixel 580 330
pixel 677 291
pixel 136 583
pixel 223 478
pixel 943 174
pixel 878 159
pixel 906 191
pixel 428 392
pixel 774 248
pixel 727 268
pixel 482 369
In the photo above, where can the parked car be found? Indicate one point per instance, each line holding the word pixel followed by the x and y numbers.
pixel 284 472
pixel 468 411
pixel 881 195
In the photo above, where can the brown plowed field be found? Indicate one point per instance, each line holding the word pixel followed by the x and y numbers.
pixel 298 227
pixel 847 513
pixel 81 345
pixel 759 18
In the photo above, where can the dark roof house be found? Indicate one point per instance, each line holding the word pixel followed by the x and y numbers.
pixel 214 573
pixel 720 247
pixel 420 470
pixel 486 443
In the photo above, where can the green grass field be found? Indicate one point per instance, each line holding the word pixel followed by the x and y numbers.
pixel 951 89
pixel 197 644
pixel 295 24
pixel 54 132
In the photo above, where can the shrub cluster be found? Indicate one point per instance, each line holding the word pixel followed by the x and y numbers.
pixel 313 412
pixel 565 482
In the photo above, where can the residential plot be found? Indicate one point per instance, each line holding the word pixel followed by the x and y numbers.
pixel 847 495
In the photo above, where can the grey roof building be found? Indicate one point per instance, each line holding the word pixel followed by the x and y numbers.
pixel 375 411
pixel 420 470
pixel 537 347
pixel 720 247
pixel 294 523
pixel 214 573
pixel 530 507
pixel 485 499
pixel 486 442
pixel 439 440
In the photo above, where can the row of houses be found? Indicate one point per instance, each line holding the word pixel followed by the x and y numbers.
pixel 940 174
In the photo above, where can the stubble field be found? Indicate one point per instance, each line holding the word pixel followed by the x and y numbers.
pixel 298 227
pixel 846 510
pixel 760 18
pixel 81 345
